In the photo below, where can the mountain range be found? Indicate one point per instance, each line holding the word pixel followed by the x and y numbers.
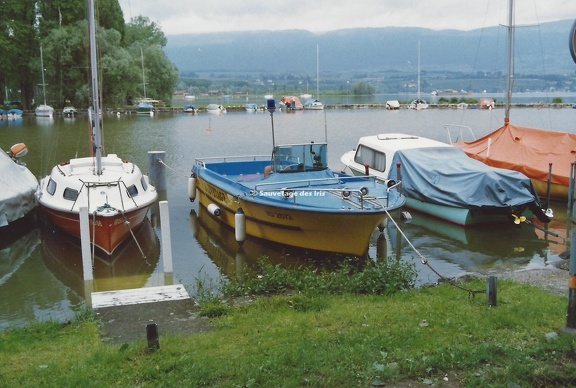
pixel 541 49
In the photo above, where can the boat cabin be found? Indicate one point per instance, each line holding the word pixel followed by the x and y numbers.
pixel 300 157
pixel 377 152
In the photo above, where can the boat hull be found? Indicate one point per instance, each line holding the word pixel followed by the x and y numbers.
pixel 456 215
pixel 107 233
pixel 342 232
pixel 470 194
pixel 44 111
pixel 558 191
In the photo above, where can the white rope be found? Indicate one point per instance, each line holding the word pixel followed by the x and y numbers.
pixel 170 168
pixel 422 258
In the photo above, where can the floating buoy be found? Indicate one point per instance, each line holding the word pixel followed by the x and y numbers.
pixel 213 209
pixel 192 187
pixel 240 226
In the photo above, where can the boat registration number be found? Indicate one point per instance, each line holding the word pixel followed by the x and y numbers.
pixel 282 216
pixel 215 193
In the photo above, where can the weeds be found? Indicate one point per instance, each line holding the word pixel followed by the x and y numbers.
pixel 384 276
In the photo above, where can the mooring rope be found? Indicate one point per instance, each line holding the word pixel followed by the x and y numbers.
pixel 133 236
pixel 170 168
pixel 425 262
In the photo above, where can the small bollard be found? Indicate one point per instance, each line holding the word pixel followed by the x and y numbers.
pixel 491 290
pixel 152 336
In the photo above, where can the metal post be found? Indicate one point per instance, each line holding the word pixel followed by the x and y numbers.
pixel 571 315
pixel 152 336
pixel 157 170
pixel 491 290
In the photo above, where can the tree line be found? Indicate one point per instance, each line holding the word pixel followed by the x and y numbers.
pixel 128 54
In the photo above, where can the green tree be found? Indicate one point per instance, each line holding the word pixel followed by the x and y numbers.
pixel 362 89
pixel 62 13
pixel 19 49
pixel 141 31
pixel 145 39
pixel 65 49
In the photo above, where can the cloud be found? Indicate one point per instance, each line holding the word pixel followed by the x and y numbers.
pixel 188 16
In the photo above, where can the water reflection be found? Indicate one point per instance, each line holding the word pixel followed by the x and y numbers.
pixel 130 266
pixel 220 244
pixel 471 249
pixel 449 249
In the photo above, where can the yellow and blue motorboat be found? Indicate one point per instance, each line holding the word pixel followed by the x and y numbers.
pixel 293 198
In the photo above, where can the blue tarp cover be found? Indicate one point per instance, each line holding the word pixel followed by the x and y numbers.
pixel 445 175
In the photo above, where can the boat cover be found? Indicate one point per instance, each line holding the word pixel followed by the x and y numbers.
pixel 445 175
pixel 528 150
pixel 17 189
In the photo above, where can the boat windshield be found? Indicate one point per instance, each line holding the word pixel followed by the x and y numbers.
pixel 300 157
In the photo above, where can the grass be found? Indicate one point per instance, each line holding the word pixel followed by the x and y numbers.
pixel 312 335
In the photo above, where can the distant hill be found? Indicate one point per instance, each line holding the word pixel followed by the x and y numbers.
pixel 539 49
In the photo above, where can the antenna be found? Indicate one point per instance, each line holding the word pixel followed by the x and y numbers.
pixel 271 106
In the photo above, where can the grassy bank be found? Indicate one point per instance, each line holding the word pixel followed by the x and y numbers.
pixel 440 335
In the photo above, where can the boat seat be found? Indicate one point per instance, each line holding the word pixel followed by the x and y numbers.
pixel 267 170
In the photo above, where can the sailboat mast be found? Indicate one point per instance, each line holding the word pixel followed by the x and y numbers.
pixel 509 60
pixel 143 77
pixel 95 114
pixel 418 71
pixel 317 72
pixel 42 68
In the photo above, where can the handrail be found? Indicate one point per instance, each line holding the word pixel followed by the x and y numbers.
pixel 460 134
pixel 234 157
pixel 299 181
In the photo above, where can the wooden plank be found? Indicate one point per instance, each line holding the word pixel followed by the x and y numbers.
pixel 138 296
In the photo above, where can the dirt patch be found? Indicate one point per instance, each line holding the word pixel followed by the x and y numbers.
pixel 552 278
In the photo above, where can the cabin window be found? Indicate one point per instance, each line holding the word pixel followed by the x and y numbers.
pixel 51 187
pixel 132 191
pixel 143 183
pixel 70 194
pixel 374 159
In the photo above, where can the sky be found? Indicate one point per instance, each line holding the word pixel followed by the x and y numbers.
pixel 193 16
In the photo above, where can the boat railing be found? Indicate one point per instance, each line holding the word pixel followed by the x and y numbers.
pixel 460 132
pixel 201 162
pixel 305 188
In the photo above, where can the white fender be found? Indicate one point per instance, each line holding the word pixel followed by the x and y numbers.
pixel 192 188
pixel 240 226
pixel 214 209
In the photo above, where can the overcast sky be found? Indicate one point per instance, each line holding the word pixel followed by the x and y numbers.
pixel 194 16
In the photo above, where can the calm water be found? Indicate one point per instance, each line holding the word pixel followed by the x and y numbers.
pixel 41 273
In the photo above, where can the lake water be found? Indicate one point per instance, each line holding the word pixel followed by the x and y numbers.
pixel 41 273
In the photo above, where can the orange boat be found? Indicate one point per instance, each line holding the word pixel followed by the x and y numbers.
pixel 537 153
pixel 544 156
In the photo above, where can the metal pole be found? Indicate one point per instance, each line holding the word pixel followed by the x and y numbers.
pixel 571 315
pixel 549 185
pixel 157 170
pixel 491 290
